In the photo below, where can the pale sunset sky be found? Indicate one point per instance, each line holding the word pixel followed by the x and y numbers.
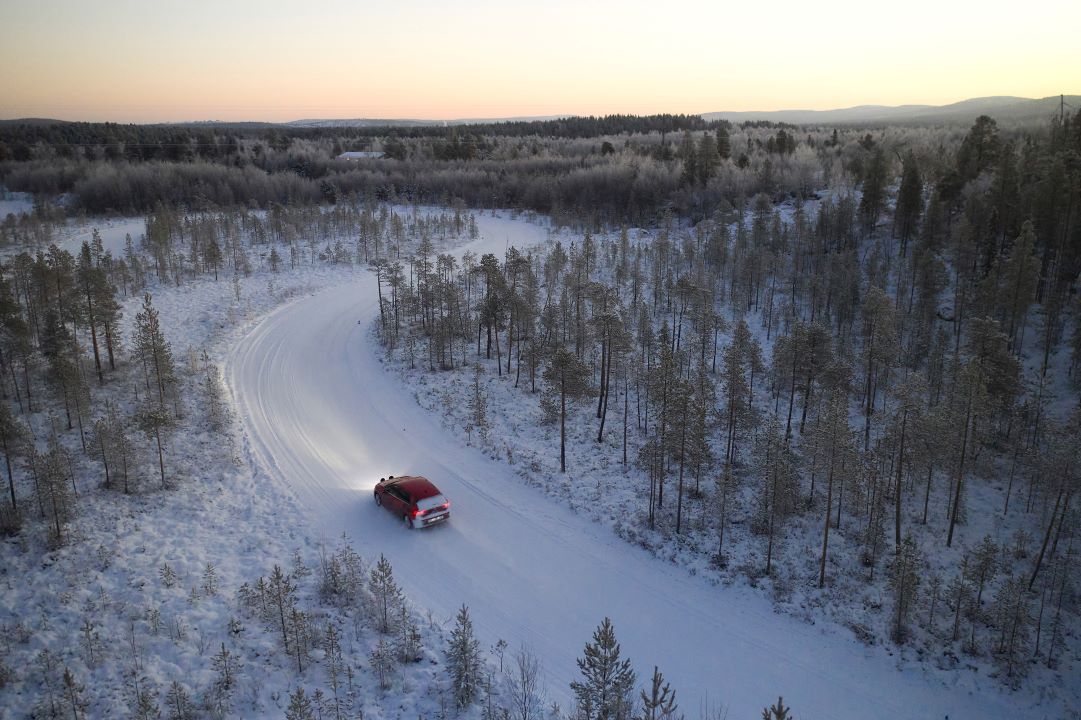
pixel 167 60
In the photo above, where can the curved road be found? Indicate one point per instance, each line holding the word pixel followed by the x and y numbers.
pixel 326 421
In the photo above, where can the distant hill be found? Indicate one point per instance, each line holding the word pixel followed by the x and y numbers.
pixel 1005 109
pixel 1002 108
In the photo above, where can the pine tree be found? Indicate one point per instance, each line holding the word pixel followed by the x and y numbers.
pixel 155 422
pixel 832 442
pixel 904 579
pixel 178 702
pixel 74 694
pixel 1013 617
pixel 155 354
pixel 874 189
pixel 55 494
pixel 300 706
pixel 334 662
pixel 14 442
pixel 298 628
pixel 386 592
pixel 407 646
pixel 724 143
pixel 688 153
pixel 282 596
pixel 568 376
pixel 225 665
pixel 216 411
pixel 90 278
pixel 604 693
pixel 660 703
pixel 463 660
pixel 778 711
pixel 909 202
pixel 478 406
pixel 382 662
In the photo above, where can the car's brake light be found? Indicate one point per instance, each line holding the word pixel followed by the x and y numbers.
pixel 416 512
pixel 445 506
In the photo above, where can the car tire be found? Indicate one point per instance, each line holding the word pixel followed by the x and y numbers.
pixel 407 521
pixel 378 499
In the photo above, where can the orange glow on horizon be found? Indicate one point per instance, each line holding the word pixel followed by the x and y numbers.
pixel 131 61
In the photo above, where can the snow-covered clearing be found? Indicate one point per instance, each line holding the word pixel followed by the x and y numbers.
pixel 326 421
pixel 14 203
pixel 126 603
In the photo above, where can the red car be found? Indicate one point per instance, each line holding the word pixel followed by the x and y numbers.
pixel 414 499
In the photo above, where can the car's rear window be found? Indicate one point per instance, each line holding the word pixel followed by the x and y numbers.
pixel 430 502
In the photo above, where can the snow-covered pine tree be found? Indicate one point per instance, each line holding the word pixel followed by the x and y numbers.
pixel 225 665
pixel 386 592
pixel 178 702
pixel 281 597
pixel 55 491
pixel 478 406
pixel 216 412
pixel 299 631
pixel 154 352
pixel 334 663
pixel 159 373
pixel 300 706
pixel 604 693
pixel 777 711
pixel 660 703
pixel 568 376
pixel 14 443
pixel 904 579
pixel 463 660
pixel 1013 618
pixel 74 695
pixel 382 662
pixel 407 644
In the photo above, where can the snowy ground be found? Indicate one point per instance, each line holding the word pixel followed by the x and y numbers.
pixel 15 203
pixel 99 603
pixel 325 419
pixel 322 420
pixel 851 606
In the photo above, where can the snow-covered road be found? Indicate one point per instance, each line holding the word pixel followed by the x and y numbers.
pixel 323 418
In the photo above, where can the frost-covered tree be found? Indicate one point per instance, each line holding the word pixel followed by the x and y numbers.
pixel 568 376
pixel 463 660
pixel 906 570
pixel 777 711
pixel 382 662
pixel 660 702
pixel 54 488
pixel 478 406
pixel 407 644
pixel 155 354
pixel 526 691
pixel 385 590
pixel 300 706
pixel 281 594
pixel 334 663
pixel 15 443
pixel 178 702
pixel 605 690
pixel 1013 617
